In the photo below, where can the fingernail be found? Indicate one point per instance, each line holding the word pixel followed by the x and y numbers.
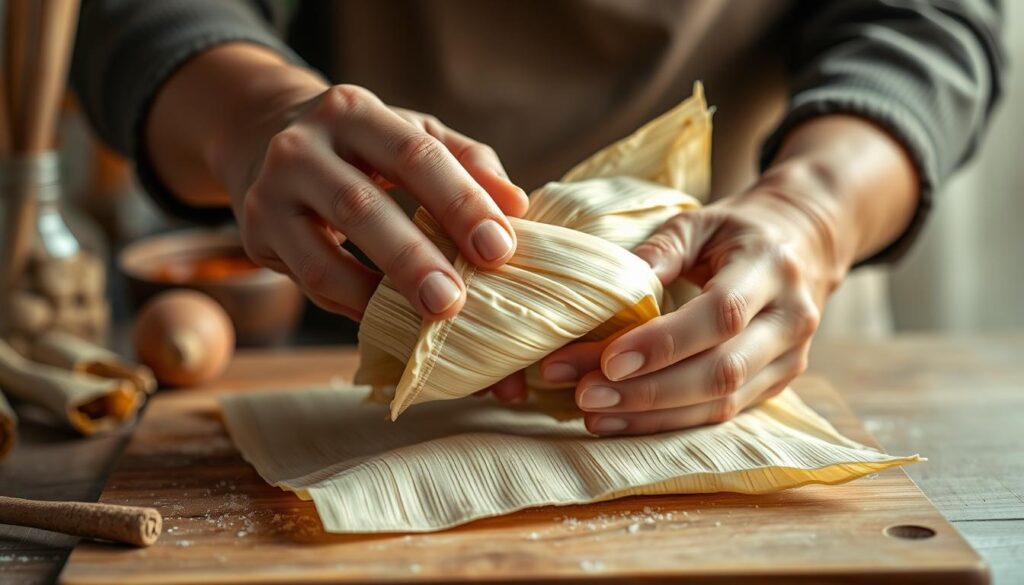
pixel 491 240
pixel 624 364
pixel 599 397
pixel 609 424
pixel 558 372
pixel 438 292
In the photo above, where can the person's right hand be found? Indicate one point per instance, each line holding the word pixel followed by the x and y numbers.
pixel 317 177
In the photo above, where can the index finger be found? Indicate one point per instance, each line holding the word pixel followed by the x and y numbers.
pixel 412 158
pixel 740 290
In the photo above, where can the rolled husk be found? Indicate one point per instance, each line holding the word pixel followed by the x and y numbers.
pixel 63 350
pixel 86 403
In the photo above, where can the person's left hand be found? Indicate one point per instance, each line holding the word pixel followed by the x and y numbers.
pixel 765 260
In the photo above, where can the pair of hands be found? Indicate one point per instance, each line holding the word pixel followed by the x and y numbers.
pixel 319 175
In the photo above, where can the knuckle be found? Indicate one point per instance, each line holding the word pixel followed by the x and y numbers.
pixel 311 271
pixel 404 257
pixel 806 318
pixel 729 374
pixel 478 150
pixel 357 205
pixel 725 409
pixel 773 391
pixel 646 395
pixel 432 124
pixel 731 312
pixel 459 204
pixel 344 100
pixel 253 207
pixel 286 147
pixel 418 150
pixel 799 365
pixel 788 263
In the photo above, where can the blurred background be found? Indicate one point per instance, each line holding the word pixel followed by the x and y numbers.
pixel 965 274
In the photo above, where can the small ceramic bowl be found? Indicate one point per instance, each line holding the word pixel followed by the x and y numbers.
pixel 264 306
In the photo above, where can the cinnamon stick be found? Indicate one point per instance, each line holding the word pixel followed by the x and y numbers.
pixel 127 524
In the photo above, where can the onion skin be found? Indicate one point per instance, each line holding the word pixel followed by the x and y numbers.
pixel 185 337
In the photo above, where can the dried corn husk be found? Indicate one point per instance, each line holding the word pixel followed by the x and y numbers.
pixel 89 404
pixel 63 350
pixel 445 464
pixel 571 278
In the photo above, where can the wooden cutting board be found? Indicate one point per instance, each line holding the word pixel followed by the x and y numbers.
pixel 223 524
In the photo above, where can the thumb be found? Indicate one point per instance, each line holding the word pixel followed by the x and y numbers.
pixel 674 247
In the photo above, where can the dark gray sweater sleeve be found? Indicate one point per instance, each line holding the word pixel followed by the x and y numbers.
pixel 927 71
pixel 126 49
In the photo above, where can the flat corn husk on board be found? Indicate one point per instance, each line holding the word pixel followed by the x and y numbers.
pixel 448 463
pixel 572 276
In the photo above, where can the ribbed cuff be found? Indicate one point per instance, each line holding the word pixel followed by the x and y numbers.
pixel 901 122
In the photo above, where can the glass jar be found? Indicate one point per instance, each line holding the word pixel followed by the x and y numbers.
pixel 60 281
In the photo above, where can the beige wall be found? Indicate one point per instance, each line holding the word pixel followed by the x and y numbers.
pixel 967 272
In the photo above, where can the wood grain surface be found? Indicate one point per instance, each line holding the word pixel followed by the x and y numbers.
pixel 223 524
pixel 958 399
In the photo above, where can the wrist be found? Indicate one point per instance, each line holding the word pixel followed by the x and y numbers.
pixel 264 102
pixel 856 172
pixel 206 117
pixel 798 200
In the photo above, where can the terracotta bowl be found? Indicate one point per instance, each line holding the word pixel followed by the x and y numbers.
pixel 264 306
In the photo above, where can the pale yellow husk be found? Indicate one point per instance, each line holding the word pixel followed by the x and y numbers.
pixel 448 463
pixel 572 276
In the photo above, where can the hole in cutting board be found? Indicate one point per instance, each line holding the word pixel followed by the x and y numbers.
pixel 909 532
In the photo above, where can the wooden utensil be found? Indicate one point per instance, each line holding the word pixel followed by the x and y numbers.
pixel 127 524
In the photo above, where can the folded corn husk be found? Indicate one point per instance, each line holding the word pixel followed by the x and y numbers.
pixel 445 464
pixel 572 276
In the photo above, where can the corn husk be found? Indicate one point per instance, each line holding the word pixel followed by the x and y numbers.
pixel 86 403
pixel 64 350
pixel 445 464
pixel 572 276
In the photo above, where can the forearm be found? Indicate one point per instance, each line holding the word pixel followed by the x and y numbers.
pixel 208 108
pixel 855 184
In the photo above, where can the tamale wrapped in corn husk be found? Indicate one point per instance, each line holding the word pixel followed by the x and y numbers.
pixel 64 350
pixel 572 276
pixel 88 404
pixel 446 463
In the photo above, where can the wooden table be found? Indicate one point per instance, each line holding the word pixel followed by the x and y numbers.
pixel 958 400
